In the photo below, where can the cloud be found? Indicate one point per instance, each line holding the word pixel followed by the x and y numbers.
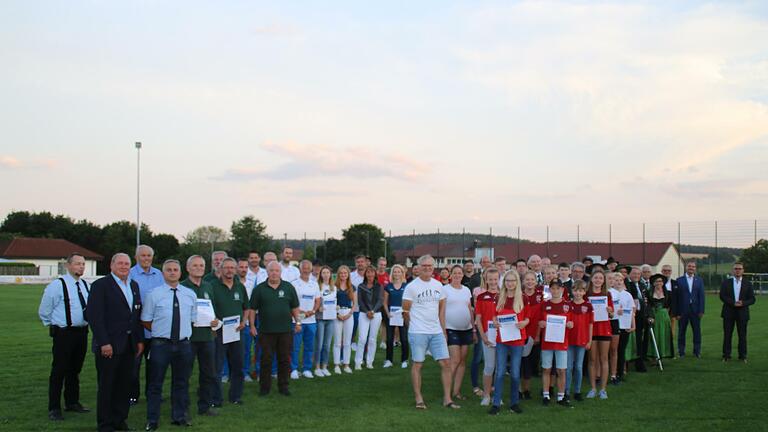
pixel 11 162
pixel 276 30
pixel 323 161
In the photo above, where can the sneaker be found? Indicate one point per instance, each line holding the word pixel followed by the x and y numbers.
pixel 274 375
pixel 397 343
pixel 358 367
pixel 564 403
pixel 248 378
pixel 295 375
pixel 486 401
pixel 319 372
pixel 578 397
pixel 347 369
pixel 591 394
pixel 545 401
pixel 308 374
pixel 494 410
pixel 325 371
pixel 337 370
pixel 404 365
pixel 224 379
pixel 383 345
pixel 515 409
pixel 369 366
pixel 387 364
pixel 603 394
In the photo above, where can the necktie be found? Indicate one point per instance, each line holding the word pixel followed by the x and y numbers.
pixel 539 278
pixel 80 296
pixel 175 321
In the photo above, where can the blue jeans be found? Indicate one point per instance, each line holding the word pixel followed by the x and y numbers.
pixel 575 363
pixel 477 360
pixel 250 346
pixel 325 329
pixel 179 357
pixel 306 335
pixel 515 355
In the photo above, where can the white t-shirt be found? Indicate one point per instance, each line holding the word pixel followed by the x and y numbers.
pixel 254 278
pixel 615 296
pixel 329 298
pixel 425 310
pixel 356 279
pixel 625 301
pixel 457 301
pixel 289 273
pixel 307 292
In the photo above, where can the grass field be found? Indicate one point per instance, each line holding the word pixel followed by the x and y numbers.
pixel 690 394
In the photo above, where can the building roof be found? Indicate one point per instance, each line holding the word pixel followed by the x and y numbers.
pixel 443 251
pixel 43 248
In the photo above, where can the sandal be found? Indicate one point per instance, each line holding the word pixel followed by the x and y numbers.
pixel 460 397
pixel 421 406
pixel 451 405
pixel 477 391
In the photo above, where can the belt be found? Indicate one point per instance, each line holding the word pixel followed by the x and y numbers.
pixel 74 328
pixel 166 340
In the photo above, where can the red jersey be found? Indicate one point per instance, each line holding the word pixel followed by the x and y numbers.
pixel 602 328
pixel 532 302
pixel 521 316
pixel 383 279
pixel 485 307
pixel 583 318
pixel 549 308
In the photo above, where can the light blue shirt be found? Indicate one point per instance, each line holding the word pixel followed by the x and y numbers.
pixel 52 310
pixel 158 309
pixel 126 288
pixel 148 281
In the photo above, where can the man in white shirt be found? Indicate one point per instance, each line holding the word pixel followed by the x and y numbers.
pixel 424 309
pixel 357 276
pixel 256 274
pixel 309 303
pixel 289 273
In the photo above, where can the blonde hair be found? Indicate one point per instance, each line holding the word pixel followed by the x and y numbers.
pixel 484 279
pixel 517 304
pixel 392 272
pixel 337 282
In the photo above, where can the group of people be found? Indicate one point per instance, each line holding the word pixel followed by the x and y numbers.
pixel 242 321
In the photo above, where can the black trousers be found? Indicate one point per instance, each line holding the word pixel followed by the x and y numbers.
pixel 741 330
pixel 233 353
pixel 136 374
pixel 271 344
pixel 205 353
pixel 69 348
pixel 641 340
pixel 403 343
pixel 621 357
pixel 114 385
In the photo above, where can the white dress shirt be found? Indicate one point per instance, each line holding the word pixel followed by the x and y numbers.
pixel 736 289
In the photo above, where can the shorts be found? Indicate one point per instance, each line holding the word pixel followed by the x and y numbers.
pixel 459 337
pixel 601 338
pixel 560 356
pixel 420 343
pixel 615 327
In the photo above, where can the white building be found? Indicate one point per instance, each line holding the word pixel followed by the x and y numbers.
pixel 48 255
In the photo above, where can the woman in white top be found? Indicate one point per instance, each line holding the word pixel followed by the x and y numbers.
pixel 613 284
pixel 325 327
pixel 342 337
pixel 623 304
pixel 459 316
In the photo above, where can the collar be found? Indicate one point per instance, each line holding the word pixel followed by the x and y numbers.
pixel 127 280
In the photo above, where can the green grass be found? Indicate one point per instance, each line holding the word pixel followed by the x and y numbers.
pixel 689 395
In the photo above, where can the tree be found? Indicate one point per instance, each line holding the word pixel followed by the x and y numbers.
pixel 249 234
pixel 365 239
pixel 120 237
pixel 166 246
pixel 203 241
pixel 332 253
pixel 755 258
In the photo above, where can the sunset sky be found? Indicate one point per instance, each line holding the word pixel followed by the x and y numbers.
pixel 315 115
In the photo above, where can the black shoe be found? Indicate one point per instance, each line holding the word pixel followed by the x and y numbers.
pixel 150 427
pixel 698 356
pixel 78 408
pixel 237 402
pixel 578 397
pixel 263 393
pixel 545 401
pixel 564 403
pixel 494 410
pixel 210 413
pixel 727 359
pixel 124 427
pixel 285 392
pixel 133 401
pixel 55 415
pixel 515 409
pixel 181 423
pixel 527 395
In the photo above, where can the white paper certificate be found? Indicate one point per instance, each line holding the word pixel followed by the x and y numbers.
pixel 329 309
pixel 491 333
pixel 508 330
pixel 229 332
pixel 625 319
pixel 600 307
pixel 395 316
pixel 555 331
pixel 205 313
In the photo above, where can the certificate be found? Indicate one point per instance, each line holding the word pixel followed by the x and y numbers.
pixel 205 313
pixel 395 316
pixel 625 319
pixel 329 309
pixel 555 331
pixel 600 307
pixel 508 330
pixel 491 333
pixel 229 332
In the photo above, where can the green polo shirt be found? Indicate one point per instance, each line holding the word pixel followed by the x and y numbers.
pixel 210 277
pixel 274 306
pixel 229 302
pixel 203 291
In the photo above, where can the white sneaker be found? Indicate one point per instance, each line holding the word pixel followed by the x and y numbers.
pixel 387 364
pixel 337 370
pixel 295 374
pixel 248 378
pixel 369 366
pixel 308 374
pixel 274 376
pixel 325 371
pixel 486 401
pixel 353 346
pixel 358 367
pixel 404 365
pixel 347 369
pixel 383 345
pixel 225 379
pixel 319 372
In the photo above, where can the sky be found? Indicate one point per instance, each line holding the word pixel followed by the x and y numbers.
pixel 312 116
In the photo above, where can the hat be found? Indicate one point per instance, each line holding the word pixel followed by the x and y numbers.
pixel 658 276
pixel 611 260
pixel 627 268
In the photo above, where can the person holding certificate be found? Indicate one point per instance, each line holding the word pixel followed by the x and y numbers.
pixel 393 307
pixel 532 298
pixel 342 336
pixel 326 321
pixel 511 319
pixel 309 303
pixel 579 338
pixel 554 320
pixel 625 317
pixel 485 312
pixel 458 323
pixel 602 304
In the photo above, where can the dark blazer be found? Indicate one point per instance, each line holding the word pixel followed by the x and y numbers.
pixel 746 295
pixel 111 321
pixel 672 298
pixel 695 297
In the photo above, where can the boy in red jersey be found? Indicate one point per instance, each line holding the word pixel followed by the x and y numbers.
pixel 579 339
pixel 554 347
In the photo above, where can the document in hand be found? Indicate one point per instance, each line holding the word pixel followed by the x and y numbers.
pixel 205 313
pixel 600 307
pixel 396 316
pixel 625 319
pixel 508 330
pixel 491 333
pixel 555 331
pixel 229 332
pixel 329 309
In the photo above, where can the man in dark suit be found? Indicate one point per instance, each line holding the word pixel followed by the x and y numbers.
pixel 671 287
pixel 737 296
pixel 114 311
pixel 690 308
pixel 640 295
